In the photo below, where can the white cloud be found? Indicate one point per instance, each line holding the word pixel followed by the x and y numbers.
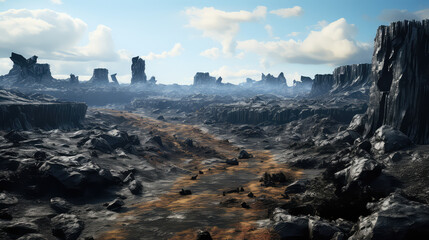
pixel 220 25
pixel 392 15
pixel 212 53
pixel 53 35
pixel 333 44
pixel 175 51
pixel 235 76
pixel 288 12
pixel 5 66
pixel 293 34
pixel 57 2
pixel 269 30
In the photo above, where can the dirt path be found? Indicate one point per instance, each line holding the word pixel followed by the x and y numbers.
pixel 172 216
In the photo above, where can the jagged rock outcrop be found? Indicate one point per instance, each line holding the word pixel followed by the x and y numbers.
pixel 100 76
pixel 349 78
pixel 152 80
pixel 114 79
pixel 73 79
pixel 271 80
pixel 18 111
pixel 400 91
pixel 138 67
pixel 201 78
pixel 28 70
pixel 322 84
pixel 219 81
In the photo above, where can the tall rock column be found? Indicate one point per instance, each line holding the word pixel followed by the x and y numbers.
pixel 137 70
pixel 399 95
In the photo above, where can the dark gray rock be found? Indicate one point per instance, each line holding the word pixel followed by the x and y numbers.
pixel 32 236
pixel 399 93
pixel 138 67
pixel 15 137
pixel 349 78
pixel 60 205
pixel 288 226
pixel 21 228
pixel 394 217
pixel 358 123
pixel 203 235
pixel 386 139
pixel 244 155
pixel 67 226
pixel 322 230
pixel 7 200
pixel 73 80
pixel 298 186
pixel 114 79
pixel 135 187
pixel 115 205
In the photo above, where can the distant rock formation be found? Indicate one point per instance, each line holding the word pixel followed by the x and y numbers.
pixel 219 81
pixel 400 91
pixel 100 76
pixel 322 84
pixel 303 85
pixel 352 78
pixel 201 78
pixel 271 80
pixel 152 80
pixel 114 79
pixel 28 70
pixel 73 79
pixel 138 67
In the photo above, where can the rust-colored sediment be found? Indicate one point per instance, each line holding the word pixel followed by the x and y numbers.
pixel 244 226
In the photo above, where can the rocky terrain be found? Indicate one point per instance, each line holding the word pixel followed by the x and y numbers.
pixel 340 156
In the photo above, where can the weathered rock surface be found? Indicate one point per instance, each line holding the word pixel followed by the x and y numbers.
pixel 18 111
pixel 400 94
pixel 322 84
pixel 138 67
pixel 114 79
pixel 26 71
pixel 67 226
pixel 386 139
pixel 349 78
pixel 60 205
pixel 100 76
pixel 394 217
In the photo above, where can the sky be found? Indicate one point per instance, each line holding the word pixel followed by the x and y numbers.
pixel 234 39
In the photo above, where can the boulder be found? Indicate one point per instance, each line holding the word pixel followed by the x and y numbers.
pixel 322 230
pixel 203 235
pixel 244 155
pixel 135 187
pixel 358 123
pixel 399 94
pixel 32 236
pixel 386 139
pixel 7 200
pixel 360 172
pixel 298 186
pixel 288 226
pixel 394 217
pixel 60 205
pixel 67 226
pixel 115 205
pixel 21 228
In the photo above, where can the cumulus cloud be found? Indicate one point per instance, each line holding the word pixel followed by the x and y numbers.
pixel 293 34
pixel 175 51
pixel 234 75
pixel 288 12
pixel 392 15
pixel 53 35
pixel 220 25
pixel 212 53
pixel 269 30
pixel 57 2
pixel 333 44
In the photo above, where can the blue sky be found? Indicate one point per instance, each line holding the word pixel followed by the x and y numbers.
pixel 233 39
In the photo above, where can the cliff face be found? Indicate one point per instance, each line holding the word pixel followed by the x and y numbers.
pixel 322 84
pixel 201 78
pixel 18 111
pixel 400 91
pixel 138 67
pixel 351 78
pixel 28 70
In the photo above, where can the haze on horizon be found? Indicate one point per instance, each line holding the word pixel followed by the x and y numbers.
pixel 234 40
